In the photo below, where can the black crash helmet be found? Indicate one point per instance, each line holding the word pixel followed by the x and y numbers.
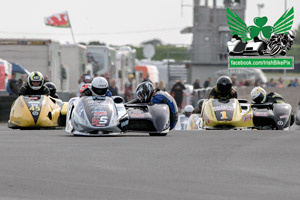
pixel 224 85
pixel 144 91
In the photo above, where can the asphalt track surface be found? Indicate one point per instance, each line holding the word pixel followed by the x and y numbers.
pixel 209 165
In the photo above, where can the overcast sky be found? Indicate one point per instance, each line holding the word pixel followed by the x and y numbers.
pixel 117 22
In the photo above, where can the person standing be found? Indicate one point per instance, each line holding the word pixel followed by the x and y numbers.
pixel 129 88
pixel 12 85
pixel 207 83
pixel 196 84
pixel 147 78
pixel 113 88
pixel 177 90
pixel 161 86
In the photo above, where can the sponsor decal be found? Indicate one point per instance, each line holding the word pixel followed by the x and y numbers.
pixel 99 98
pixel 261 114
pixel 99 121
pixel 35 113
pixel 283 116
pixel 33 98
pixel 140 115
pixel 100 113
pixel 247 118
pixel 223 107
pixel 124 123
pixel 34 108
pixel 33 102
pixel 280 123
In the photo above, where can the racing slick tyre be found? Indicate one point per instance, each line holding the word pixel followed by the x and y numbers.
pixel 158 134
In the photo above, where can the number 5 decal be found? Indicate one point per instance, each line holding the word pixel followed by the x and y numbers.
pixel 99 121
pixel 224 116
pixel 103 120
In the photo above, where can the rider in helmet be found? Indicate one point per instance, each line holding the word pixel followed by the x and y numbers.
pixel 52 88
pixel 259 95
pixel 223 89
pixel 98 87
pixel 146 94
pixel 188 110
pixel 34 85
pixel 199 105
pixel 184 118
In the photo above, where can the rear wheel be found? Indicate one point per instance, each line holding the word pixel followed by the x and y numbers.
pixel 158 134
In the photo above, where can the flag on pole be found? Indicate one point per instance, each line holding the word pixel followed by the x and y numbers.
pixel 60 20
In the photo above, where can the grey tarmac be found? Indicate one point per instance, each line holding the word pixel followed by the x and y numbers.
pixel 209 165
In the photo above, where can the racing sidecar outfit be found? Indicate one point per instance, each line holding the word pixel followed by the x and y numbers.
pixel 274 97
pixel 162 97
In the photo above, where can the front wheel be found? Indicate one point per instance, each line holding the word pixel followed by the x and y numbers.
pixel 158 134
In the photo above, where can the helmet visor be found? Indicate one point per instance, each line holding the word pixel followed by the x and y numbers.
pixel 259 98
pixel 224 89
pixel 99 91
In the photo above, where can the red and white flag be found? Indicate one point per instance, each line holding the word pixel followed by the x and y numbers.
pixel 60 20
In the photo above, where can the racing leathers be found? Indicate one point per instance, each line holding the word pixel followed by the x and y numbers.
pixel 162 97
pixel 216 94
pixel 274 97
pixel 25 90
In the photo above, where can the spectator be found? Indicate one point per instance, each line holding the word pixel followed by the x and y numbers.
pixel 81 78
pixel 233 78
pixel 295 83
pixel 129 88
pixel 290 84
pixel 177 90
pixel 46 79
pixel 207 83
pixel 107 76
pixel 272 83
pixel 86 79
pixel 12 85
pixel 113 88
pixel 196 84
pixel 156 85
pixel 23 80
pixel 258 82
pixel 280 83
pixel 242 82
pixel 147 78
pixel 161 86
pixel 247 83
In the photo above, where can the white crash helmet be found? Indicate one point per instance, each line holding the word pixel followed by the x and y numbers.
pixel 258 95
pixel 35 80
pixel 188 109
pixel 99 86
